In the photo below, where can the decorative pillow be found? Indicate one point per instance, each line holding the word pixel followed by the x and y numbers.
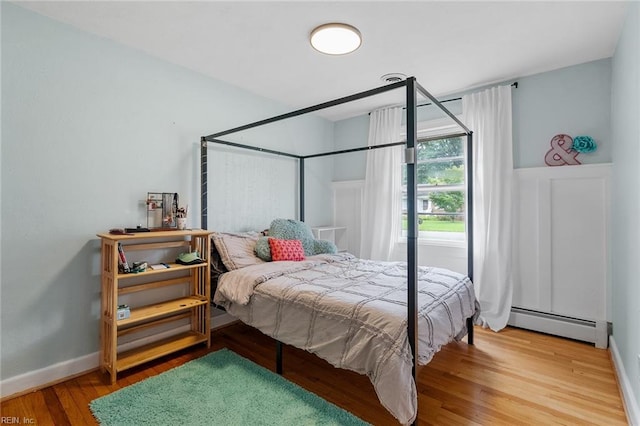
pixel 289 229
pixel 324 246
pixel 262 249
pixel 286 249
pixel 236 250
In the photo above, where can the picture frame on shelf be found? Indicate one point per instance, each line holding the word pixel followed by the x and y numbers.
pixel 162 210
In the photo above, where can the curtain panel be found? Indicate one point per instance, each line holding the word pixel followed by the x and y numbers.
pixel 488 114
pixel 382 200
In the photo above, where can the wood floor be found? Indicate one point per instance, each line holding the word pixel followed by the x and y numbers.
pixel 514 377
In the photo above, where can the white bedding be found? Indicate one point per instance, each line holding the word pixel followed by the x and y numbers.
pixel 352 313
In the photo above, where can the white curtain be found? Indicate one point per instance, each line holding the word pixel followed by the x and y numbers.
pixel 488 115
pixel 382 204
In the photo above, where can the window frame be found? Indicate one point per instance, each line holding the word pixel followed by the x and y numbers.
pixel 434 130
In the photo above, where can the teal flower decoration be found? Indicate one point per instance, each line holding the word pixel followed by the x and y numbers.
pixel 584 144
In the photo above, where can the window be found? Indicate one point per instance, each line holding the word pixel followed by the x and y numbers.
pixel 441 194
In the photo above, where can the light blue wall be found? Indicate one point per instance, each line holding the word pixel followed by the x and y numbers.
pixel 626 196
pixel 88 127
pixel 574 100
pixel 352 133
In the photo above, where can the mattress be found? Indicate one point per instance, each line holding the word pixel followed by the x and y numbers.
pixel 353 313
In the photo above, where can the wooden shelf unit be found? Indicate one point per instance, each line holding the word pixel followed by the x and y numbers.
pixel 194 307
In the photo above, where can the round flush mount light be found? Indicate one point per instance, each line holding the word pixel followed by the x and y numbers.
pixel 335 39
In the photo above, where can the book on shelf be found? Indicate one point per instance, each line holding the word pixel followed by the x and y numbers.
pixel 159 266
pixel 122 259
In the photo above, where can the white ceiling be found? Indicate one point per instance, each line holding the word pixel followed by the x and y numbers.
pixel 263 46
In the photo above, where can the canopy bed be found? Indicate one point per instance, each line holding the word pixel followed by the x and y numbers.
pixel 441 300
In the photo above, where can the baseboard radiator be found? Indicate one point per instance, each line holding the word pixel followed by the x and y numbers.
pixel 596 332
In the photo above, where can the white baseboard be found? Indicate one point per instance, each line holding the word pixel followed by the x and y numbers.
pixel 48 375
pixel 628 398
pixel 61 371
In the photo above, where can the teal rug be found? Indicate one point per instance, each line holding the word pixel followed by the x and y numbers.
pixel 221 388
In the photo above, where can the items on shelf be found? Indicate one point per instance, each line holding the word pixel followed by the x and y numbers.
pixel 162 210
pixel 122 260
pixel 190 258
pixel 138 267
pixel 565 150
pixel 181 219
pixel 123 312
pixel 138 228
pixel 159 266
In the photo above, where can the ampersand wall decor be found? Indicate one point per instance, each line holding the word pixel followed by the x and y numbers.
pixel 561 152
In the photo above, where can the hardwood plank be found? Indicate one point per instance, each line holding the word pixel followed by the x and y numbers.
pixel 55 408
pixel 81 395
pixel 511 377
pixel 13 408
pixel 75 414
pixel 34 410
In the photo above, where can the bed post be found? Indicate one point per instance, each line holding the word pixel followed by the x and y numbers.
pixel 470 330
pixel 412 240
pixel 301 189
pixel 279 357
pixel 203 183
pixel 469 177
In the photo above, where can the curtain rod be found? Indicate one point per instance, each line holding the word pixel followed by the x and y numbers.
pixel 514 85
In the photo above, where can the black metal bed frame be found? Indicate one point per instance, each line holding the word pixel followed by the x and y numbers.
pixel 412 89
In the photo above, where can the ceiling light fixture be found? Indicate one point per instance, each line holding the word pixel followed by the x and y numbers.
pixel 335 39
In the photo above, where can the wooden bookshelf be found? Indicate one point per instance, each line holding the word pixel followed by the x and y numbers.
pixel 145 318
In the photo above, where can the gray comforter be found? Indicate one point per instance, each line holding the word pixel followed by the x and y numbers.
pixel 352 313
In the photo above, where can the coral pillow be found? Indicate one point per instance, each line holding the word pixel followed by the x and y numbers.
pixel 286 249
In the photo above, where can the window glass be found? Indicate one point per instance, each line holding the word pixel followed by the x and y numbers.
pixel 441 189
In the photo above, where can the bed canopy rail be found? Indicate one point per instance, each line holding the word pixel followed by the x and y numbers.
pixel 214 138
pixel 300 158
pixel 307 110
pixel 412 89
pixel 204 210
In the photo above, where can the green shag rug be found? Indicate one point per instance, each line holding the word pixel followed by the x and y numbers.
pixel 221 388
